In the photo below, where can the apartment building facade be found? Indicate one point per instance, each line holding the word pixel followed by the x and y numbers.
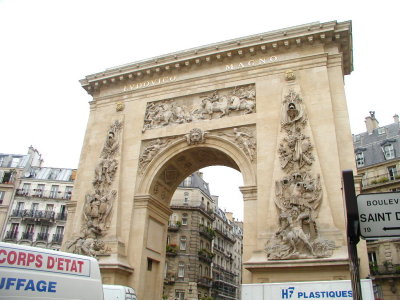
pixel 12 168
pixel 377 154
pixel 202 256
pixel 36 212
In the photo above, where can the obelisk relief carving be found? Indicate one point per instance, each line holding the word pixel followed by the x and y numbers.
pixel 211 105
pixel 298 193
pixel 99 202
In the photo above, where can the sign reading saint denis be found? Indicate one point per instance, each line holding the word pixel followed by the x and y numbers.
pixel 379 215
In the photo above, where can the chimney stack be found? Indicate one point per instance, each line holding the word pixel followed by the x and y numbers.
pixel 396 118
pixel 371 122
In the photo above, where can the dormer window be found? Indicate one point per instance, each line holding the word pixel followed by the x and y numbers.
pixel 381 130
pixel 388 151
pixel 360 159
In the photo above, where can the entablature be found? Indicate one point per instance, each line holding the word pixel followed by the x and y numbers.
pixel 270 42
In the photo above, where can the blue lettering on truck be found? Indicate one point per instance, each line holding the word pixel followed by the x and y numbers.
pixel 22 284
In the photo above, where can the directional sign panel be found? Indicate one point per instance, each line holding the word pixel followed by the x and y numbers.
pixel 379 215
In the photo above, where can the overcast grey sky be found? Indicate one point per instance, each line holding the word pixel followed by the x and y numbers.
pixel 48 45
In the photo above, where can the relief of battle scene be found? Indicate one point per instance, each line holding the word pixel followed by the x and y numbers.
pixel 99 202
pixel 298 194
pixel 212 105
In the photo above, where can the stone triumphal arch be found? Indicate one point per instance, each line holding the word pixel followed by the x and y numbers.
pixel 271 106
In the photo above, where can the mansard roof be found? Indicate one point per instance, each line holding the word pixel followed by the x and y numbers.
pixel 269 42
pixel 371 144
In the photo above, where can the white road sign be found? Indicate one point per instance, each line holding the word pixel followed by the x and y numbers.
pixel 379 215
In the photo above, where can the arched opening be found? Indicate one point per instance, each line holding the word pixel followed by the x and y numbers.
pixel 191 228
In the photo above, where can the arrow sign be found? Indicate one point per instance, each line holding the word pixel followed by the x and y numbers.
pixel 379 215
pixel 391 228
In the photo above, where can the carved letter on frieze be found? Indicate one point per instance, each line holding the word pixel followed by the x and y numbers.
pixel 217 104
pixel 99 203
pixel 298 194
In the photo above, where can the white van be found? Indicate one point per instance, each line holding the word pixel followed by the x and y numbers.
pixel 118 292
pixel 36 273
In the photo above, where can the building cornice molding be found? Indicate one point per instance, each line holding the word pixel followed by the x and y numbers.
pixel 270 42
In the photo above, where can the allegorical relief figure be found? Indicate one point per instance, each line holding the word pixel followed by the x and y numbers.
pixel 292 112
pixel 216 104
pixel 99 203
pixel 151 150
pixel 298 195
pixel 245 139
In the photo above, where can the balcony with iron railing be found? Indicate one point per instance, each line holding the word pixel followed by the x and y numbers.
pixel 46 194
pixel 42 237
pixel 11 235
pixel 207 232
pixel 61 216
pixel 205 281
pixel 225 234
pixel 386 269
pixel 171 250
pixel 57 238
pixel 380 181
pixel 174 227
pixel 207 211
pixel 205 255
pixel 27 236
pixel 34 215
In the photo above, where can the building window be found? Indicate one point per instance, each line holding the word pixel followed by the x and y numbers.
pixel 360 159
pixel 392 172
pixel 181 269
pixel 200 270
pixel 179 295
pixel 381 130
pixel 26 188
pixel 372 257
pixel 184 219
pixel 356 138
pixel 388 151
pixel 187 181
pixel 54 191
pixel 68 192
pixel 2 193
pixel 149 264
pixel 15 161
pixel 34 207
pixel 39 190
pixel 186 198
pixel 183 243
pixel 20 206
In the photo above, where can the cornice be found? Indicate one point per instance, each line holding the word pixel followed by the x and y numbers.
pixel 270 42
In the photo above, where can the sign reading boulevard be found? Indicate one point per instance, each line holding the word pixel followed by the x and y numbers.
pixel 379 215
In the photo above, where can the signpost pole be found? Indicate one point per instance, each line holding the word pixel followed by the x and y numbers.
pixel 353 234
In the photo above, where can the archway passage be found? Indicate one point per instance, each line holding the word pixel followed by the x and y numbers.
pixel 172 166
pixel 157 185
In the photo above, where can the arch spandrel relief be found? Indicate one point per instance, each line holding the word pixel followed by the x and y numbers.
pixel 298 193
pixel 99 202
pixel 206 106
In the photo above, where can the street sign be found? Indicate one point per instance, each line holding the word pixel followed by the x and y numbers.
pixel 379 215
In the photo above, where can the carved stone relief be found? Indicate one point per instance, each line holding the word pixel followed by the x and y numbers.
pixel 99 202
pixel 245 139
pixel 151 150
pixel 218 104
pixel 195 136
pixel 298 194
